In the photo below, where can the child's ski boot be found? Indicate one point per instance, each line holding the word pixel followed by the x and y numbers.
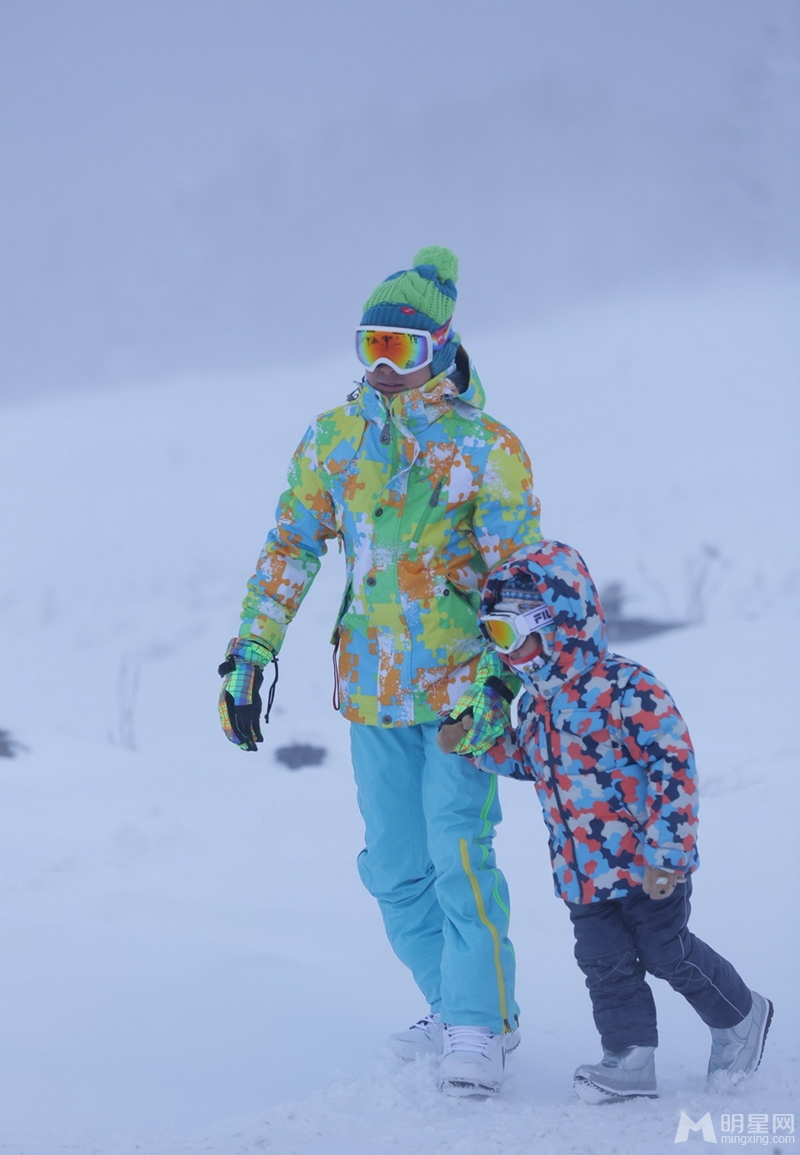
pixel 736 1051
pixel 629 1075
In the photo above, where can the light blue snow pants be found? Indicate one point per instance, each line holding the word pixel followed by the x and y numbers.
pixel 430 819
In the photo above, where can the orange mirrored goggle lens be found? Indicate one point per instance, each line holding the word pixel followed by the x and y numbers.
pixel 405 350
pixel 503 634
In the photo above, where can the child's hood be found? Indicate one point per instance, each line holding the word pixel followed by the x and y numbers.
pixel 577 639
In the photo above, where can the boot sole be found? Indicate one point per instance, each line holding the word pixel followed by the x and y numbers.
pixel 593 1093
pixel 767 1026
pixel 461 1088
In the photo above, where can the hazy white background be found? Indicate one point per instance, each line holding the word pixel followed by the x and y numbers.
pixel 195 199
pixel 204 185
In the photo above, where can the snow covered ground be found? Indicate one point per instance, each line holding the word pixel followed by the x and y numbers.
pixel 189 963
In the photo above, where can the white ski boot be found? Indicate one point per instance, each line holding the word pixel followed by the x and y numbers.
pixel 736 1051
pixel 422 1038
pixel 473 1060
pixel 628 1075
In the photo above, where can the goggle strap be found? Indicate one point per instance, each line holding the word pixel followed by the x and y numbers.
pixel 441 336
pixel 539 616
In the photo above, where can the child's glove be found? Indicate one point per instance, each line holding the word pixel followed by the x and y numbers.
pixel 240 700
pixel 483 714
pixel 659 883
pixel 452 730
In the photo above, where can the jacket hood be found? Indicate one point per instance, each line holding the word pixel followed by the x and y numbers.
pixel 577 639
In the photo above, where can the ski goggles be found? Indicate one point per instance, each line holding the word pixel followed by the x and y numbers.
pixel 405 350
pixel 507 629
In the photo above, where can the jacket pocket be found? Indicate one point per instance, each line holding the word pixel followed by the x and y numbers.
pixel 579 722
pixel 458 619
pixel 344 606
pixel 586 750
pixel 470 598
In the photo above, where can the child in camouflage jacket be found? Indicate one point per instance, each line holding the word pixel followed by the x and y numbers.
pixel 612 763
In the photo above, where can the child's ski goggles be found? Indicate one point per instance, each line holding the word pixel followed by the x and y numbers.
pixel 405 350
pixel 507 629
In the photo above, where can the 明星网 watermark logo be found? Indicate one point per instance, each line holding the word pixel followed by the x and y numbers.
pixel 776 1129
pixel 705 1124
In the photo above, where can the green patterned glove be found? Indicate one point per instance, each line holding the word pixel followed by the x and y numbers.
pixel 483 714
pixel 240 700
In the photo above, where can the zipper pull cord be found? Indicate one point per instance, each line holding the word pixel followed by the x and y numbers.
pixel 271 694
pixel 336 696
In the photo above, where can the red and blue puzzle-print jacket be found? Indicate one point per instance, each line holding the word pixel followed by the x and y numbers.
pixel 601 739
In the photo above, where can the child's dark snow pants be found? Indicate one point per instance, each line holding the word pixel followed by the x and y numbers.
pixel 619 940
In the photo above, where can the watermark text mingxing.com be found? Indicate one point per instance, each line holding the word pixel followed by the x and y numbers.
pixel 757 1127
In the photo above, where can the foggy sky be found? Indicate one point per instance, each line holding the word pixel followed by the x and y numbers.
pixel 207 185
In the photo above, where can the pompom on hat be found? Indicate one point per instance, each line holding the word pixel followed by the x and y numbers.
pixel 422 297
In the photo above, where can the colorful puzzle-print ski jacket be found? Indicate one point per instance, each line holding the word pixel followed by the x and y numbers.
pixel 601 739
pixel 425 493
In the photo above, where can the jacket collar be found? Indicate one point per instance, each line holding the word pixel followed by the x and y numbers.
pixel 417 409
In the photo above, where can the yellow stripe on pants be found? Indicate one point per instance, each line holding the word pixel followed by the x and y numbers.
pixel 476 890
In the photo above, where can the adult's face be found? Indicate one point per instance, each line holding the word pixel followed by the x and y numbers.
pixel 389 382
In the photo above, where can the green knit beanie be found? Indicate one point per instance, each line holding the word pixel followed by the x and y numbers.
pixel 422 297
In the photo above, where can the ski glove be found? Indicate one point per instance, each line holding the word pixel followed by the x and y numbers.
pixel 242 673
pixel 483 714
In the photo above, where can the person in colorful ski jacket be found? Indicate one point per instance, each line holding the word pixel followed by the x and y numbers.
pixel 425 493
pixel 613 766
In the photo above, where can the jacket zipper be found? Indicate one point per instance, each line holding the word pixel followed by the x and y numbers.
pixel 426 513
pixel 559 804
pixel 387 438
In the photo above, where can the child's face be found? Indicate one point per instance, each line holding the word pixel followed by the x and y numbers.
pixel 530 648
pixel 387 381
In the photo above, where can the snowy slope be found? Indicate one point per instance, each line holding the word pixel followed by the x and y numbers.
pixel 187 948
